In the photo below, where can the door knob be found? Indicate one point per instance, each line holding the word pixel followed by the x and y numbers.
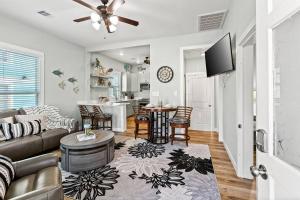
pixel 260 171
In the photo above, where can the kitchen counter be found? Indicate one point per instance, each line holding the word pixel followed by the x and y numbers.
pixel 117 109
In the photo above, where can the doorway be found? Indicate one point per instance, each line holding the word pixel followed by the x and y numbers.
pixel 199 90
pixel 246 102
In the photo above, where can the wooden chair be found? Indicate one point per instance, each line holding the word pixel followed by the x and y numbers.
pixel 141 117
pixel 102 117
pixel 181 119
pixel 85 114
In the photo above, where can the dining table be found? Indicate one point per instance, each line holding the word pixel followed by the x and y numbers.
pixel 159 123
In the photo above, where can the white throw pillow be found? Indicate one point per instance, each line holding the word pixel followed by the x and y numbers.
pixel 7 120
pixel 29 118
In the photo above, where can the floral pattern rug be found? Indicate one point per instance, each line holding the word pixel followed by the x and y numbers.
pixel 142 170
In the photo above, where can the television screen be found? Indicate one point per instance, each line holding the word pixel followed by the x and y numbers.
pixel 219 57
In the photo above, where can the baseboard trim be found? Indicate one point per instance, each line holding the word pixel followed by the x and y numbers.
pixel 231 158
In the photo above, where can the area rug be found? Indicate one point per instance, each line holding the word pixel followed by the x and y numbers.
pixel 144 171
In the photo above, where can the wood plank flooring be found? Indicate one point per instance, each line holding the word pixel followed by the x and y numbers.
pixel 230 186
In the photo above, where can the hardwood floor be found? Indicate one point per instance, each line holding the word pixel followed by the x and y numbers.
pixel 230 186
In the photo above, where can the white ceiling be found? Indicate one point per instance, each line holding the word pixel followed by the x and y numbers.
pixel 131 55
pixel 157 18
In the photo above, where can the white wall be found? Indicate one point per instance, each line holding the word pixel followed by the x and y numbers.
pixel 241 14
pixel 106 62
pixel 165 51
pixel 58 54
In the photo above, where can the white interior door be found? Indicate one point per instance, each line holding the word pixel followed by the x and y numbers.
pixel 278 98
pixel 199 95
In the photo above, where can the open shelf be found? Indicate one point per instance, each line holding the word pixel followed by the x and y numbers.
pixel 104 77
pixel 98 86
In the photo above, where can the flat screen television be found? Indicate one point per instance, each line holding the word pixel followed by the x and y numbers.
pixel 219 57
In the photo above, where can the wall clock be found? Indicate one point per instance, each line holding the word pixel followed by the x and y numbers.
pixel 165 74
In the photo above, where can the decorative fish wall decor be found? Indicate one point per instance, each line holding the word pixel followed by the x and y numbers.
pixel 58 72
pixel 72 80
pixel 62 85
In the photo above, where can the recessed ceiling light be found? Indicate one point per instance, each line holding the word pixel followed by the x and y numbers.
pixel 121 53
pixel 203 54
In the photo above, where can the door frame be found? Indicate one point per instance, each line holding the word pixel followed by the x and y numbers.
pixel 212 114
pixel 219 91
pixel 244 156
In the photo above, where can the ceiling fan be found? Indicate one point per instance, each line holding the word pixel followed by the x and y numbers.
pixel 147 60
pixel 106 14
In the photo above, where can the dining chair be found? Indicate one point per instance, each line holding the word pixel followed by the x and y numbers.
pixel 85 115
pixel 181 119
pixel 141 117
pixel 102 117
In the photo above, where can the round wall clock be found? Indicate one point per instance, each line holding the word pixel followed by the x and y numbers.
pixel 165 74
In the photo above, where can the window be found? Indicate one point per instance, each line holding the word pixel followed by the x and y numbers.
pixel 20 83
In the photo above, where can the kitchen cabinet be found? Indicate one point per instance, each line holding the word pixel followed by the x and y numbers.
pixel 134 85
pixel 126 82
pixel 130 82
pixel 144 76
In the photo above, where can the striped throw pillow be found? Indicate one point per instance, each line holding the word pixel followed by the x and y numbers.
pixel 7 174
pixel 2 136
pixel 28 118
pixel 12 131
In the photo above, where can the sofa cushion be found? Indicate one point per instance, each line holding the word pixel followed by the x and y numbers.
pixel 44 180
pixel 21 148
pixel 7 174
pixel 51 138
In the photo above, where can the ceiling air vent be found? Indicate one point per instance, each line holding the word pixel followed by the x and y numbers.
pixel 44 13
pixel 211 21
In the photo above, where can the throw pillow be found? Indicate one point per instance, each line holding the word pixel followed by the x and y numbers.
pixel 7 120
pixel 28 118
pixel 2 136
pixel 7 174
pixel 21 129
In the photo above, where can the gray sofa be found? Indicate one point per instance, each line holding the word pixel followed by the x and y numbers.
pixel 28 146
pixel 36 178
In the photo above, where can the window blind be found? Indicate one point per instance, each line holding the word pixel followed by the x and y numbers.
pixel 19 79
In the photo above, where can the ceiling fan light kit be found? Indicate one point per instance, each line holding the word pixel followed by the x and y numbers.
pixel 114 19
pixel 112 28
pixel 106 14
pixel 96 25
pixel 95 17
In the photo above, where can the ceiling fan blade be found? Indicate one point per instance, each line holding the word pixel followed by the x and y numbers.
pixel 115 5
pixel 87 5
pixel 82 19
pixel 128 21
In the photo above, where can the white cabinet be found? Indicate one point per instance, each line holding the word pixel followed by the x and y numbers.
pixel 144 76
pixel 130 82
pixel 134 85
pixel 126 82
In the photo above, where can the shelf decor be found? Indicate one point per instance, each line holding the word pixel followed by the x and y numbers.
pixel 99 70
